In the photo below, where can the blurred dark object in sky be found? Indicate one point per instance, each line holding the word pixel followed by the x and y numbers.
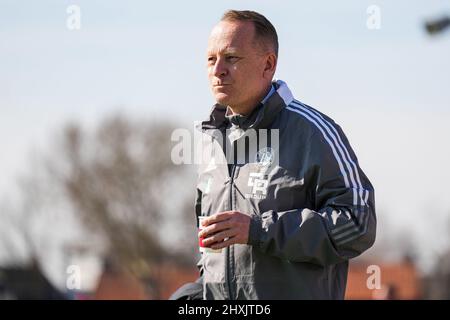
pixel 437 26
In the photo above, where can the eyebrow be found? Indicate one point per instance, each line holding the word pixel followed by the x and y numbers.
pixel 224 51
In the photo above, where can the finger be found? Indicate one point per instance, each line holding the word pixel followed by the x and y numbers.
pixel 216 227
pixel 219 237
pixel 218 217
pixel 224 244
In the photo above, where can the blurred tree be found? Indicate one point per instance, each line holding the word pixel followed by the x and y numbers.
pixel 23 218
pixel 120 179
pixel 121 184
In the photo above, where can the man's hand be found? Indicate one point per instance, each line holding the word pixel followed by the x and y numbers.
pixel 224 229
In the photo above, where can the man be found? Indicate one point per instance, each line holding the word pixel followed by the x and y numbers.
pixel 287 217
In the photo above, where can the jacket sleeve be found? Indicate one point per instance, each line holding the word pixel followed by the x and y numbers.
pixel 342 223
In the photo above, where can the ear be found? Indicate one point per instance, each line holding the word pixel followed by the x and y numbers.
pixel 270 66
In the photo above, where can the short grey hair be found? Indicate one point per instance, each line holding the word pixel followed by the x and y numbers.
pixel 264 30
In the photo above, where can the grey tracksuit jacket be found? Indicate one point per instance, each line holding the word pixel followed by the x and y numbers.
pixel 311 206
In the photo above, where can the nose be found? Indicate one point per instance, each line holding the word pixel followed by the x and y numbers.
pixel 219 68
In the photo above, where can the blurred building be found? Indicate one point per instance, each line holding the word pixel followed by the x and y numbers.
pixel 157 284
pixel 143 282
pixel 26 283
pixel 437 283
pixel 118 284
pixel 398 281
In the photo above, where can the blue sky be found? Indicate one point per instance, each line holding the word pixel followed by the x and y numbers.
pixel 387 88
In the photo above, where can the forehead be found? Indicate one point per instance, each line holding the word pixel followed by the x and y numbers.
pixel 231 36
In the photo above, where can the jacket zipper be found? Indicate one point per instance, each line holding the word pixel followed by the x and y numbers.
pixel 228 272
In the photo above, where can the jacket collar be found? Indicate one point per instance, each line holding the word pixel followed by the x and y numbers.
pixel 260 118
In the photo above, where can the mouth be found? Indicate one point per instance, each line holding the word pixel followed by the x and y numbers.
pixel 222 85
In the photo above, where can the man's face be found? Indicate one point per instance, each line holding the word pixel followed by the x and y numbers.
pixel 237 66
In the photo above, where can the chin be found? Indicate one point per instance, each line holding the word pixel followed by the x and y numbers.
pixel 222 98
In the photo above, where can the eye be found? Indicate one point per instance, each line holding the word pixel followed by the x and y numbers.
pixel 232 58
pixel 211 60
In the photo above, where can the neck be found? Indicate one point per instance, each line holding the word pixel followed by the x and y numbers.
pixel 247 108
